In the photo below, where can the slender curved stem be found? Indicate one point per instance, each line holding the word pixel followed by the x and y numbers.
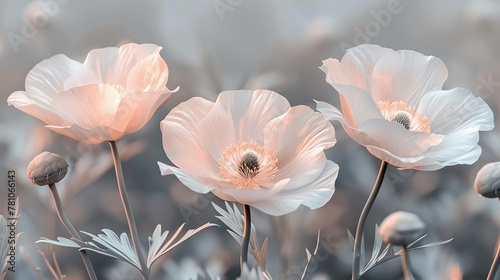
pixel 362 219
pixel 405 263
pixel 246 235
pixel 496 261
pixel 128 211
pixel 71 229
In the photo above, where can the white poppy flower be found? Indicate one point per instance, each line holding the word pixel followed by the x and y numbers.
pixel 114 92
pixel 393 104
pixel 251 147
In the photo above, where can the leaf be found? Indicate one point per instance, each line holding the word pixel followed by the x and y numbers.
pixel 309 255
pixel 377 245
pixel 155 252
pixel 61 241
pixel 390 252
pixel 114 246
pixel 233 219
pixel 351 238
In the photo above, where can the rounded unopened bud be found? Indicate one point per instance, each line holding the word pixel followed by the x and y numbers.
pixel 401 228
pixel 47 168
pixel 487 181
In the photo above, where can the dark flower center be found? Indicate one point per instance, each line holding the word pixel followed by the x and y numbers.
pixel 403 118
pixel 249 164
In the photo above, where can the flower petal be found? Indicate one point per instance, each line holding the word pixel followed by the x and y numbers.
pixel 356 66
pixel 249 196
pixel 407 76
pixel 100 100
pixel 394 138
pixel 110 65
pixel 298 138
pixel 187 180
pixel 181 142
pixel 47 77
pixel 459 147
pixel 332 113
pixel 136 109
pixel 456 109
pixel 94 135
pixel 239 116
pixel 149 74
pixel 21 101
pixel 357 105
pixel 315 195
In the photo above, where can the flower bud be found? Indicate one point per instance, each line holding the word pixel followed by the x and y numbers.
pixel 401 228
pixel 47 168
pixel 487 181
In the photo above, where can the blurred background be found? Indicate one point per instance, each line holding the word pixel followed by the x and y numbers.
pixel 215 45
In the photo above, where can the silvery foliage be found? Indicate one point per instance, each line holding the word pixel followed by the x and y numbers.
pixel 119 247
pixel 188 269
pixel 389 252
pixel 310 256
pixel 234 220
pixel 252 274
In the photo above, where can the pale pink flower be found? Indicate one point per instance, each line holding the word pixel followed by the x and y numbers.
pixel 114 92
pixel 393 104
pixel 251 147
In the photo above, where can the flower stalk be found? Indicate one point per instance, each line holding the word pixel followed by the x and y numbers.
pixel 246 235
pixel 71 229
pixel 405 263
pixel 128 211
pixel 362 219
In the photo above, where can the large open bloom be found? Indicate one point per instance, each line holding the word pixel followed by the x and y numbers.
pixel 251 147
pixel 114 92
pixel 393 104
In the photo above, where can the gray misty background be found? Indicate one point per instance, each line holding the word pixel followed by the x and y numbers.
pixel 215 45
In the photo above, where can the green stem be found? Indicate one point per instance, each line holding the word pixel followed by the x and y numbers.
pixel 71 229
pixel 128 211
pixel 405 263
pixel 246 235
pixel 362 220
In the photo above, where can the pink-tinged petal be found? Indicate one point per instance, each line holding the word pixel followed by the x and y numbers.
pixel 95 135
pixel 188 181
pixel 249 196
pixel 21 101
pixel 407 76
pixel 356 66
pixel 357 105
pixel 181 142
pixel 298 138
pixel 136 109
pixel 455 109
pixel 314 195
pixel 110 65
pixel 458 147
pixel 332 113
pixel 393 137
pixel 47 77
pixel 239 116
pixel 402 162
pixel 89 106
pixel 149 75
pixel 426 162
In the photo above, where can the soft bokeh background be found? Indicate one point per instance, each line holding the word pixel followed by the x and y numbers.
pixel 216 45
